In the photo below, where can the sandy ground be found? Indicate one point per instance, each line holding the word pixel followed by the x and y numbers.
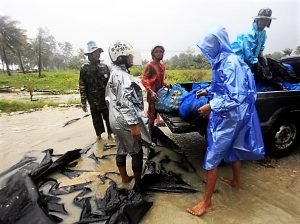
pixel 269 194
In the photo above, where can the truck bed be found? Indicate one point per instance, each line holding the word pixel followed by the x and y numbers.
pixel 278 111
pixel 269 106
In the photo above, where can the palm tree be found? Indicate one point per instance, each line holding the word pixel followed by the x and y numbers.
pixel 297 51
pixel 12 38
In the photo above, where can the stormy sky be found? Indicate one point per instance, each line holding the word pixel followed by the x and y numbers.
pixel 178 24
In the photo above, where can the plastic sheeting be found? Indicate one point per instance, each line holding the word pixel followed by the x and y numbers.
pixel 20 199
pixel 290 86
pixel 281 73
pixel 188 109
pixel 27 194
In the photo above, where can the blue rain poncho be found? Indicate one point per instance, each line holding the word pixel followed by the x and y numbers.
pixel 248 45
pixel 233 131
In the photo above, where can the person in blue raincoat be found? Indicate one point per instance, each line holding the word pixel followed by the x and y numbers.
pixel 251 44
pixel 233 132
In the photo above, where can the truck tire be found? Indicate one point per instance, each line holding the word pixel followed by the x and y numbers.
pixel 282 137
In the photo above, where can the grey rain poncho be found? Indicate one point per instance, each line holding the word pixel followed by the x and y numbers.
pixel 125 102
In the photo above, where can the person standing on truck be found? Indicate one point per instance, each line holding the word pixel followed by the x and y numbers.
pixel 251 44
pixel 92 83
pixel 233 132
pixel 153 79
pixel 126 110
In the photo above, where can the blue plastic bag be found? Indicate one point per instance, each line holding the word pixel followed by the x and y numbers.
pixel 188 109
pixel 291 86
pixel 169 98
pixel 200 85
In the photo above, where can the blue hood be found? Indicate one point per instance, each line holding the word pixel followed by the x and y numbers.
pixel 223 47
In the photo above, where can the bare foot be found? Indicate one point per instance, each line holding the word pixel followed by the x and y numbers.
pixel 127 180
pixel 231 183
pixel 110 138
pixel 199 209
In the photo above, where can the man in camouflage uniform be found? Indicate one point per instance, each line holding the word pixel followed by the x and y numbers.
pixel 92 84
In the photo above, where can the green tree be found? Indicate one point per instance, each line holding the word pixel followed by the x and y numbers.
pixel 287 51
pixel 44 46
pixel 187 61
pixel 12 39
pixel 297 51
pixel 66 50
pixel 29 56
pixel 275 55
pixel 144 62
pixel 77 60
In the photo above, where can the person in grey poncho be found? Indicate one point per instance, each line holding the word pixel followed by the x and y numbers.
pixel 126 110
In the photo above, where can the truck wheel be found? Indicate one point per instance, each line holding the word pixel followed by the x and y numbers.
pixel 283 137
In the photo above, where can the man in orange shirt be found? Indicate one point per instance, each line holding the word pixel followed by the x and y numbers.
pixel 153 79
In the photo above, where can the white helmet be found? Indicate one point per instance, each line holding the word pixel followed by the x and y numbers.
pixel 119 48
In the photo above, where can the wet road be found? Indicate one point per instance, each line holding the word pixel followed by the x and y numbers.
pixel 268 194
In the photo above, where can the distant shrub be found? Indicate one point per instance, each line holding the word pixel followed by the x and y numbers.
pixel 136 70
pixel 180 76
pixel 8 106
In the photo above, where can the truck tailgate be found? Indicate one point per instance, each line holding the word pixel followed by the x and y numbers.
pixel 178 125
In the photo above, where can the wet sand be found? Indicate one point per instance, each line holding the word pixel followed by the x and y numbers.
pixel 268 194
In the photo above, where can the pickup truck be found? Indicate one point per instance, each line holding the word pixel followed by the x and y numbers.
pixel 279 113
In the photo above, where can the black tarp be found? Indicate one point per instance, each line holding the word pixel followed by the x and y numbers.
pixel 28 195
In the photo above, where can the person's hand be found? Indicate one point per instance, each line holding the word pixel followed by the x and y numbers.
pixel 201 92
pixel 84 107
pixel 135 132
pixel 204 110
pixel 153 95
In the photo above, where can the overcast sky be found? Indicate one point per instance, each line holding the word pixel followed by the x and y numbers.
pixel 176 24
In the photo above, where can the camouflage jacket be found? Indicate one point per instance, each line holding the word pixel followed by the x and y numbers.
pixel 92 83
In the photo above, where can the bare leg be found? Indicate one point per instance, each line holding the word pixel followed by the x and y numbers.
pixel 236 170
pixel 123 172
pixel 205 204
pixel 110 136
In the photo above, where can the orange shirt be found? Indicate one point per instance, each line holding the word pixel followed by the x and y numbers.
pixel 154 75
